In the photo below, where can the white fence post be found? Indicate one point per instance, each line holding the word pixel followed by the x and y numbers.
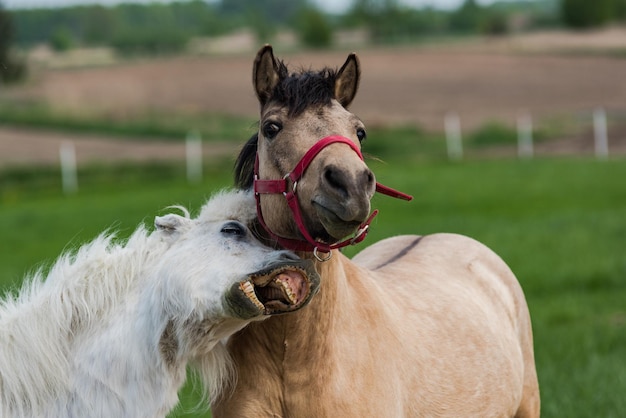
pixel 601 140
pixel 525 147
pixel 69 178
pixel 452 124
pixel 193 150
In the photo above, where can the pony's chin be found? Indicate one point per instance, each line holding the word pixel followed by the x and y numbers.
pixel 279 288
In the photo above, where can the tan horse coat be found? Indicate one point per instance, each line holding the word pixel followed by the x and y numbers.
pixel 414 327
pixel 433 326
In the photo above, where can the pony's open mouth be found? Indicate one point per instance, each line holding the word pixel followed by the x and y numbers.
pixel 281 289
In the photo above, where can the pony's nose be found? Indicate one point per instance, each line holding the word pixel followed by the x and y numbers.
pixel 285 255
pixel 341 182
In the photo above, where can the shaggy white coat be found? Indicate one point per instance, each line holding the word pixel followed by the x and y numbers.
pixel 84 341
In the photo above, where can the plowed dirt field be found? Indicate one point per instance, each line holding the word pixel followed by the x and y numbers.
pixel 398 85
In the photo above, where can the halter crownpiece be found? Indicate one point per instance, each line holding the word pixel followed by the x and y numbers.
pixel 280 186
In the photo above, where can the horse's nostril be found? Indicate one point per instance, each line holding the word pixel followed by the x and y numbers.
pixel 345 184
pixel 370 179
pixel 335 178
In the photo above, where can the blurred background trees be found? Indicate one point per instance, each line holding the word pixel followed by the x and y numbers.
pixel 167 27
pixel 12 69
pixel 160 27
pixel 583 14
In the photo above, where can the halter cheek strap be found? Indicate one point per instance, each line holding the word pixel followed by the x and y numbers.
pixel 280 186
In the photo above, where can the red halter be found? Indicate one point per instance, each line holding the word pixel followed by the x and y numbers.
pixel 280 186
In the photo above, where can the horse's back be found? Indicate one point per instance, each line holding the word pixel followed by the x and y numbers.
pixel 447 258
pixel 439 269
pixel 456 291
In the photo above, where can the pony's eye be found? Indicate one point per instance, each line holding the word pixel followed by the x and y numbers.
pixel 361 134
pixel 271 129
pixel 233 229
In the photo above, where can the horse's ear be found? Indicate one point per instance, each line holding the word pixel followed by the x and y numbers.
pixel 265 74
pixel 347 81
pixel 170 224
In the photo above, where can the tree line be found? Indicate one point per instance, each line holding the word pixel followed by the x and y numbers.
pixel 584 14
pixel 158 28
pixel 166 27
pixel 12 68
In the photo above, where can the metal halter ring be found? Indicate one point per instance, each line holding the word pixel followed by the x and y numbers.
pixel 360 232
pixel 322 259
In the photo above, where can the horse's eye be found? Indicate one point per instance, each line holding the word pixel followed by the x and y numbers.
pixel 361 134
pixel 271 129
pixel 233 229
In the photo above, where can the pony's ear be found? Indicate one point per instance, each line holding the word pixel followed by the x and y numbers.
pixel 265 74
pixel 170 224
pixel 347 81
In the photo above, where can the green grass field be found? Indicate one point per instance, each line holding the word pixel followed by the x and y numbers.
pixel 559 223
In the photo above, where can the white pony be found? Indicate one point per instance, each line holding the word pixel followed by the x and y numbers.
pixel 110 331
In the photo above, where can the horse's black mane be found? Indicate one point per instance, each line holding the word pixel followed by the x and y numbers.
pixel 302 89
pixel 244 166
pixel 296 92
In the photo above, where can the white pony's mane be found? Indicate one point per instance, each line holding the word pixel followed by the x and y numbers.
pixel 38 324
pixel 229 204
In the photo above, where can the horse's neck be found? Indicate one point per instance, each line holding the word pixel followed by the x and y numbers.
pixel 277 354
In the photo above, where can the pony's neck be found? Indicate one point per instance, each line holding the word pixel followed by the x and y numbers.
pixel 122 370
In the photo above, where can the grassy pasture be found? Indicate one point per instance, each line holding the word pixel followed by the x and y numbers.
pixel 560 224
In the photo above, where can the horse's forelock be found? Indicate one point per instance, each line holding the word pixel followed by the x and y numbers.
pixel 300 90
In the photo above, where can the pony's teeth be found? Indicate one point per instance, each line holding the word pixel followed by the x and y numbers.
pixel 288 291
pixel 248 290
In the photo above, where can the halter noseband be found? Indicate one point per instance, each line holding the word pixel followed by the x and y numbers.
pixel 280 186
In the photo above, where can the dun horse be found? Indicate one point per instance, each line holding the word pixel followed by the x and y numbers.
pixel 111 330
pixel 413 326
